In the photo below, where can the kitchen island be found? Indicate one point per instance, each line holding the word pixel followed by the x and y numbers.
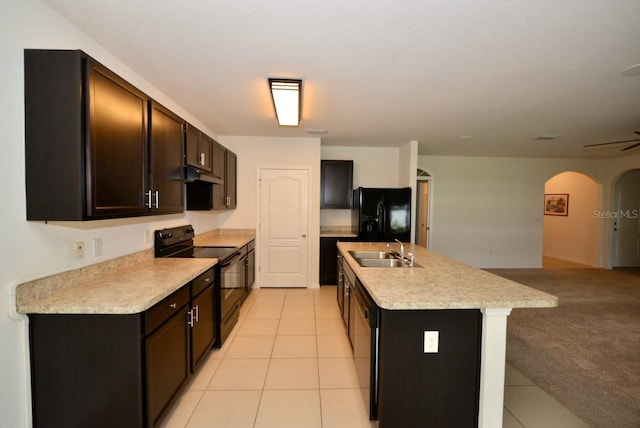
pixel 467 308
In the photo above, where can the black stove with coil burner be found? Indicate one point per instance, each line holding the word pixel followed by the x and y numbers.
pixel 177 242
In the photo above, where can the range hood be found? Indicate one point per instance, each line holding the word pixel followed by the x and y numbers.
pixel 193 174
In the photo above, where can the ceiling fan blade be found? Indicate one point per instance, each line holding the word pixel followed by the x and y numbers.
pixel 633 146
pixel 612 142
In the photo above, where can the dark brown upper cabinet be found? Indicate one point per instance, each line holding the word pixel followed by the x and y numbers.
pixel 218 157
pixel 199 149
pixel 202 195
pixel 230 180
pixel 166 152
pixel 88 153
pixel 336 183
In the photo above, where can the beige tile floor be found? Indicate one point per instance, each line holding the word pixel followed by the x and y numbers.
pixel 287 363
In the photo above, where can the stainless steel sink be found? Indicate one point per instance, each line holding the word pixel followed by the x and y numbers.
pixel 380 263
pixel 387 259
pixel 371 254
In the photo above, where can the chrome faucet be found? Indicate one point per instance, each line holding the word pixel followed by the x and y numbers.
pixel 401 249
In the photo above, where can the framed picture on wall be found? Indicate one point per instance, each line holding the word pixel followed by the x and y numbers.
pixel 556 204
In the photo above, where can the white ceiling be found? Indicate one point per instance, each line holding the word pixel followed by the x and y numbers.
pixel 382 73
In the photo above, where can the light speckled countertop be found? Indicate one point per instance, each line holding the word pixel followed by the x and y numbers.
pixel 225 238
pixel 441 283
pixel 126 285
pixel 337 232
pixel 130 290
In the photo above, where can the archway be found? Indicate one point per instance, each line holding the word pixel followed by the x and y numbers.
pixel 571 229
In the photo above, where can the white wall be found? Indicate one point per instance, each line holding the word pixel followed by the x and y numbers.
pixel 487 212
pixel 575 237
pixel 30 250
pixel 256 152
pixel 407 177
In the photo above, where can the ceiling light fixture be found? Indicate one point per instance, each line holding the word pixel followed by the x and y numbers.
pixel 286 95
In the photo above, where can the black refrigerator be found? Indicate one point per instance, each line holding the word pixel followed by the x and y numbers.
pixel 381 214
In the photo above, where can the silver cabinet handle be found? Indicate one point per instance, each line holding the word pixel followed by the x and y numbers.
pixel 173 305
pixel 207 279
pixel 197 311
pixel 190 315
pixel 148 194
pixel 201 158
pixel 157 199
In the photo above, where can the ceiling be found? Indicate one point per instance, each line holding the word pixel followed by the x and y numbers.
pixel 462 77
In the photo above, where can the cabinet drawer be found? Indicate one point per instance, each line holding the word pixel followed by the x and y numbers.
pixel 165 309
pixel 202 282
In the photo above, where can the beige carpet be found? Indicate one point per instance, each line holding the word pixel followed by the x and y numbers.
pixel 585 353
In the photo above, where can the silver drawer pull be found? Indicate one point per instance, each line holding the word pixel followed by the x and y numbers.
pixel 173 305
pixel 207 279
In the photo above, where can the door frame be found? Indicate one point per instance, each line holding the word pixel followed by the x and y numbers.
pixel 609 222
pixel 429 180
pixel 312 236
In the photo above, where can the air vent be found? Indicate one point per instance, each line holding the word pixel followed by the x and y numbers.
pixel 546 137
pixel 318 131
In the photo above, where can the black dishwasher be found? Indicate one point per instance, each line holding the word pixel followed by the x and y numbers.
pixel 363 333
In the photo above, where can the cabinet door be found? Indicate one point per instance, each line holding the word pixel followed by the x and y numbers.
pixel 328 261
pixel 251 269
pixel 167 364
pixel 192 154
pixel 218 156
pixel 203 332
pixel 230 180
pixel 198 149
pixel 336 182
pixel 116 146
pixel 166 143
pixel 205 147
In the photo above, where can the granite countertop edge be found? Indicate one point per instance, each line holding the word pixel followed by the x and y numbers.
pixel 130 290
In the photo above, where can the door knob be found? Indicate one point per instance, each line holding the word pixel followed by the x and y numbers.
pixel 304 235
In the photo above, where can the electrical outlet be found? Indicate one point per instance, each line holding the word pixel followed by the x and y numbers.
pixel 431 339
pixel 79 249
pixel 97 247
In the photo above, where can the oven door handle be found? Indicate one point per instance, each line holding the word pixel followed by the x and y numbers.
pixel 231 261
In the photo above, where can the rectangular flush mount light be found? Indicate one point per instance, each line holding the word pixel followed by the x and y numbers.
pixel 286 94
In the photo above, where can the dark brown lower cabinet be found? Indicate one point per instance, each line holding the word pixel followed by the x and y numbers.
pixel 203 333
pixel 86 370
pixel 435 390
pixel 328 258
pixel 105 371
pixel 167 365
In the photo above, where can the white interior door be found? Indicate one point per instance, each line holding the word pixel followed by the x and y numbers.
pixel 284 223
pixel 626 226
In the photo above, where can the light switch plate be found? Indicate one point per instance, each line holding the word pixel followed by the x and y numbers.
pixel 431 339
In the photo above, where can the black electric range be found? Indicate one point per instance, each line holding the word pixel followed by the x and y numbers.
pixel 230 272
